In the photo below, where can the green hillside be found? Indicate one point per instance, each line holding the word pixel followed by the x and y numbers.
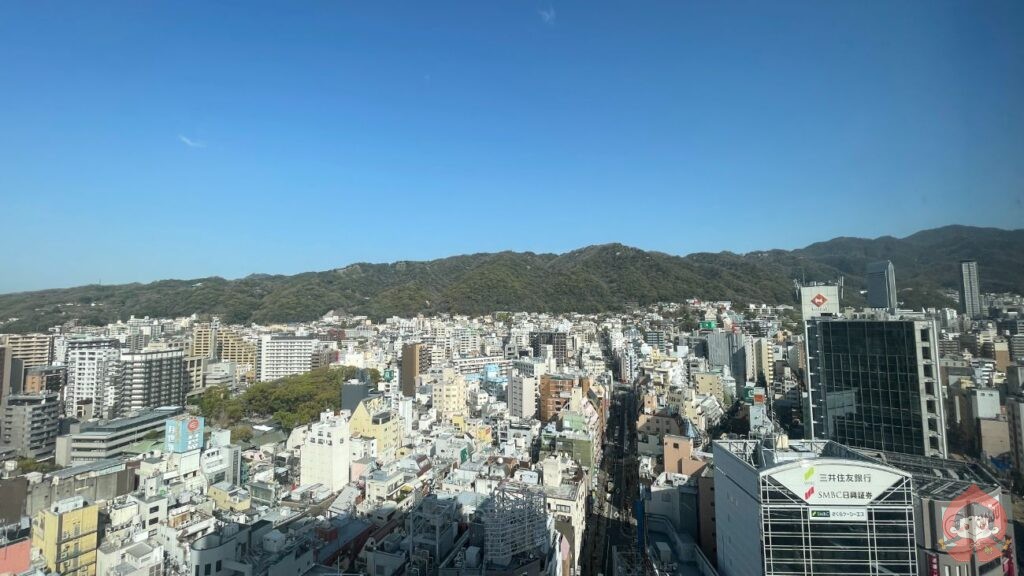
pixel 591 279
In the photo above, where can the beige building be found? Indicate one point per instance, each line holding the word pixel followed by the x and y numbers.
pixel 236 349
pixel 710 384
pixel 764 359
pixel 449 394
pixel 32 349
pixel 204 341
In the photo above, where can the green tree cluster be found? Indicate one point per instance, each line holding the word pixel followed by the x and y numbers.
pixel 291 401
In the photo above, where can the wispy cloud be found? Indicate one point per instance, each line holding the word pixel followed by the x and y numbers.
pixel 190 142
pixel 548 16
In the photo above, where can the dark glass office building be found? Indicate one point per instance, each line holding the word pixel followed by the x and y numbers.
pixel 874 384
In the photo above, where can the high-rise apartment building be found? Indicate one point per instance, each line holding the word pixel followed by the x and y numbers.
pixel 874 384
pixel 810 507
pixel 152 378
pixel 764 360
pixel 415 361
pixel 30 424
pixel 32 349
pixel 970 289
pixel 522 397
pixel 204 340
pixel 285 355
pixel 234 347
pixel 326 454
pixel 881 280
pixel 65 533
pixel 94 377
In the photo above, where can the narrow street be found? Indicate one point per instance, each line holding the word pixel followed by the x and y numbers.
pixel 611 521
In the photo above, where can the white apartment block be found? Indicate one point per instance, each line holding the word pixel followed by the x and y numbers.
pixel 285 355
pixel 522 397
pixel 94 377
pixel 326 452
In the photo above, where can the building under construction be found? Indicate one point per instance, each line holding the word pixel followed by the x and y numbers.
pixel 510 534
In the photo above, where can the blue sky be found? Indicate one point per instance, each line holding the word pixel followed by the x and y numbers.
pixel 148 140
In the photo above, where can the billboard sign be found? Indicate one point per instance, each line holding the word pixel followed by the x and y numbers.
pixel 818 300
pixel 183 433
pixel 835 483
pixel 974 527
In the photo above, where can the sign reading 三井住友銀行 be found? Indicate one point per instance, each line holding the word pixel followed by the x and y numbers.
pixel 835 483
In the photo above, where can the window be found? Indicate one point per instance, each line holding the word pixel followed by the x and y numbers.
pixel 206 569
pixel 218 566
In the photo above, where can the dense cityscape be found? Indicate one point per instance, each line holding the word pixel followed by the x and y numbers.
pixel 678 438
pixel 512 288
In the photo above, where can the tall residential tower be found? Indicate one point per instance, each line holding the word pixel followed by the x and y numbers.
pixel 970 291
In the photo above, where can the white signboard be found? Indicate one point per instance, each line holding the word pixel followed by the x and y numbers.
pixel 818 300
pixel 839 514
pixel 835 483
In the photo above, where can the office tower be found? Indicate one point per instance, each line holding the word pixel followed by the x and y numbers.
pixel 30 424
pixel 94 377
pixel 32 349
pixel 810 507
pixel 326 455
pixel 152 378
pixel 874 384
pixel 881 280
pixel 556 391
pixel 65 533
pixel 559 341
pixel 970 289
pixel 522 397
pixel 416 360
pixel 285 355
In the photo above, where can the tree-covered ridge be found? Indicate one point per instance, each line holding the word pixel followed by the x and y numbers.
pixel 291 401
pixel 592 279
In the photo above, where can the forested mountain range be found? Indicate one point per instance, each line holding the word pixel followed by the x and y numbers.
pixel 592 279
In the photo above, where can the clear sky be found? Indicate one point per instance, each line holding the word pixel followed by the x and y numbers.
pixel 148 140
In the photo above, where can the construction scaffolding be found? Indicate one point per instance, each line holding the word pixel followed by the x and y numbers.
pixel 515 522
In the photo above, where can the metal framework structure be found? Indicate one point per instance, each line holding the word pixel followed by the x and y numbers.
pixel 515 522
